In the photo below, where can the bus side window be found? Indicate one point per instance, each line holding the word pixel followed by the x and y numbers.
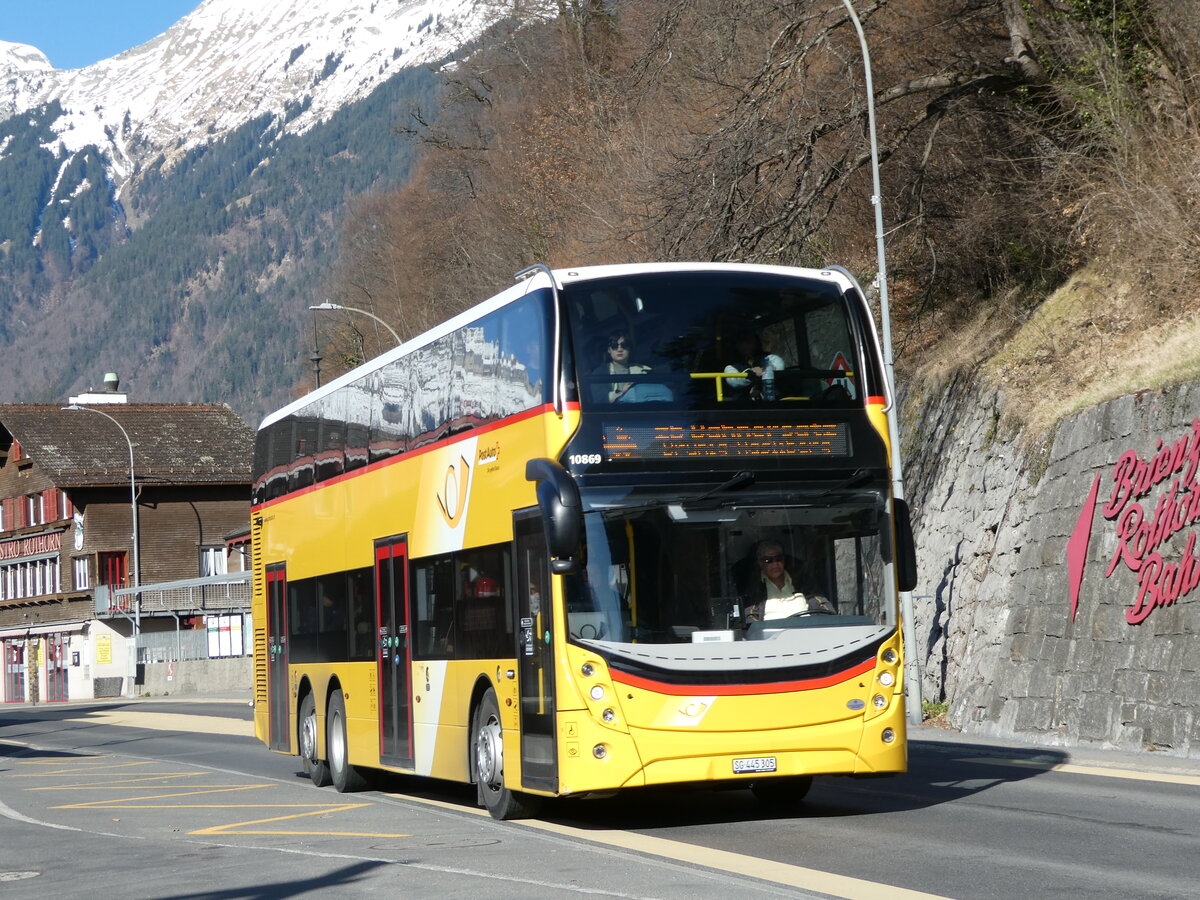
pixel 302 621
pixel 362 614
pixel 434 595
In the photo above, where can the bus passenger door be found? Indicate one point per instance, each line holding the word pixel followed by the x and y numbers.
pixel 278 689
pixel 535 654
pixel 393 652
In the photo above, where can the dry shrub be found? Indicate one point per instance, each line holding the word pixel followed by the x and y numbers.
pixel 1020 139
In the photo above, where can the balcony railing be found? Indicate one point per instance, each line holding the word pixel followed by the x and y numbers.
pixel 197 596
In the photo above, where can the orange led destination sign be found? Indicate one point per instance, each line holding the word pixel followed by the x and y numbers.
pixel 712 441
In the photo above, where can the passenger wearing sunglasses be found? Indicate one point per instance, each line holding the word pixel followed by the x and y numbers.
pixel 620 362
pixel 773 593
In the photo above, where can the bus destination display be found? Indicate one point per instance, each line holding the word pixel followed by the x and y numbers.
pixel 699 441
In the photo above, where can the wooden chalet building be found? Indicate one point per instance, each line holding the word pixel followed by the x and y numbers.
pixel 67 541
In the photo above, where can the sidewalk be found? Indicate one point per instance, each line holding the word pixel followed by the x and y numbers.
pixel 1080 755
pixel 245 697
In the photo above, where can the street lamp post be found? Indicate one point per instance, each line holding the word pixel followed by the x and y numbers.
pixel 330 305
pixel 137 570
pixel 913 682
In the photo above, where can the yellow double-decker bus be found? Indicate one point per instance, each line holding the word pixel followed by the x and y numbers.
pixel 616 526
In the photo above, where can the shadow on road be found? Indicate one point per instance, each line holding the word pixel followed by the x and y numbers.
pixel 939 772
pixel 344 878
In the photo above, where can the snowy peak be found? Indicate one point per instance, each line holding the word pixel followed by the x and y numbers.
pixel 22 59
pixel 232 60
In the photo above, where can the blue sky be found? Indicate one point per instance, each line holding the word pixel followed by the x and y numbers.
pixel 77 33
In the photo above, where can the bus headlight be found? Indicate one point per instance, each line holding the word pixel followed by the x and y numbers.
pixel 608 715
pixel 888 735
pixel 887 679
pixel 600 751
pixel 879 700
pixel 597 692
pixel 889 655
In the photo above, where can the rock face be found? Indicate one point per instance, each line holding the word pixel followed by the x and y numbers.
pixel 1109 504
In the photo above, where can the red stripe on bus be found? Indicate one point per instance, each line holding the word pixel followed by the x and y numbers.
pixel 413 454
pixel 876 401
pixel 742 690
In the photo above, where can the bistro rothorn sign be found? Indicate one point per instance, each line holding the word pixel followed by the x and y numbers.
pixel 1152 502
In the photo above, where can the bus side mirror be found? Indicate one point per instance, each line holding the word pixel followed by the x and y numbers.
pixel 906 547
pixel 562 511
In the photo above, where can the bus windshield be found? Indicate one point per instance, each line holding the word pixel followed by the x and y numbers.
pixel 711 340
pixel 662 570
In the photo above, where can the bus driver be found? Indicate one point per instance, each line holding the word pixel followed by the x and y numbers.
pixel 773 593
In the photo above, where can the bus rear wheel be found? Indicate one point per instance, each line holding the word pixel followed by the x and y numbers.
pixel 346 778
pixel 487 764
pixel 306 733
pixel 782 793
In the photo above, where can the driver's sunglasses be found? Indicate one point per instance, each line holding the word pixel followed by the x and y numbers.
pixel 770 559
pixel 617 344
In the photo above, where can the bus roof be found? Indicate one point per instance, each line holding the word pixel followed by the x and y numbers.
pixel 540 279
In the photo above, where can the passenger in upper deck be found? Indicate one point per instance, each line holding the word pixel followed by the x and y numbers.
pixel 619 361
pixel 750 359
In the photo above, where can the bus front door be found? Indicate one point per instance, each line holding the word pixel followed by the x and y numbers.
pixel 535 654
pixel 278 689
pixel 393 652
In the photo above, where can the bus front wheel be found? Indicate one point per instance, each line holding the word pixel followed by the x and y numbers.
pixel 346 778
pixel 315 768
pixel 487 764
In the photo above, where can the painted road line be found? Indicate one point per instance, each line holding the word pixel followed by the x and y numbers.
pixel 142 800
pixel 241 827
pixel 840 886
pixel 85 765
pixel 1073 768
pixel 120 784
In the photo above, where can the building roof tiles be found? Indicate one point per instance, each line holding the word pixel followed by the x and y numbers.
pixel 173 443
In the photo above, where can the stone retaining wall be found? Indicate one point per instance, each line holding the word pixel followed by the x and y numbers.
pixel 997 635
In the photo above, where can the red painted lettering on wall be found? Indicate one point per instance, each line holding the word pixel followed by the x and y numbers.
pixel 1147 521
pixel 31 546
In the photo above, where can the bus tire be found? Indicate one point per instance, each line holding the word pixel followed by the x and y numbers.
pixel 346 778
pixel 306 738
pixel 782 793
pixel 487 764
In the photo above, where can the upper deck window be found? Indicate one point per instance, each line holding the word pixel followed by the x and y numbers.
pixel 712 340
pixel 497 366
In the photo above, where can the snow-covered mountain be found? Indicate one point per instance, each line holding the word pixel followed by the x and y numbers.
pixel 228 62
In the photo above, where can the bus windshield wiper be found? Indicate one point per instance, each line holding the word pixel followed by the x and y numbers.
pixel 738 480
pixel 860 477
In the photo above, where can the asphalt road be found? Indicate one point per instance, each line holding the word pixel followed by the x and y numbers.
pixel 174 799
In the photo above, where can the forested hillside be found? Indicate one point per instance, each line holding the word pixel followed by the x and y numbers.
pixel 1040 180
pixel 211 264
pixel 1024 143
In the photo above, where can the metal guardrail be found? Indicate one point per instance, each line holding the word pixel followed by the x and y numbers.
pixel 198 596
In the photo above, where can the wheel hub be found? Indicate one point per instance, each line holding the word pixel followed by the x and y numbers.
pixel 308 738
pixel 489 754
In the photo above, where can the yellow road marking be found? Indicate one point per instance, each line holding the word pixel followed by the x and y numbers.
pixel 141 801
pixel 241 827
pixel 1103 771
pixel 75 772
pixel 120 783
pixel 217 789
pixel 842 886
pixel 756 867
